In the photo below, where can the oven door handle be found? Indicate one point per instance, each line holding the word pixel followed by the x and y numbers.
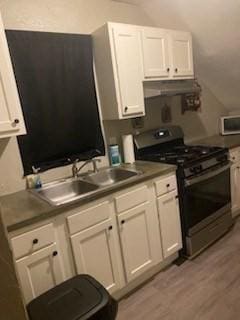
pixel 189 182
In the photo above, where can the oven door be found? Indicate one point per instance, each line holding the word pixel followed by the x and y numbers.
pixel 206 198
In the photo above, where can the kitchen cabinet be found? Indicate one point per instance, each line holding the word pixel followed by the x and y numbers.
pixel 119 239
pixel 169 215
pixel 118 62
pixel 140 239
pixel 181 54
pixel 126 56
pixel 235 181
pixel 11 117
pixel 95 252
pixel 156 58
pixel 40 272
pixel 167 54
pixel 170 223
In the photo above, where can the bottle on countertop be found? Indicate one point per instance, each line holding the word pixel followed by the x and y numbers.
pixel 114 155
pixel 34 180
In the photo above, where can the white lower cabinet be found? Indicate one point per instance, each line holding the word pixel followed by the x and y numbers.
pixel 95 252
pixel 170 223
pixel 40 272
pixel 115 239
pixel 140 240
pixel 235 183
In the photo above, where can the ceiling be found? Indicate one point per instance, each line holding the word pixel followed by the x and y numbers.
pixel 216 38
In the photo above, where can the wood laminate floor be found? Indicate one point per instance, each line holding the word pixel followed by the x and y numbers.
pixel 207 288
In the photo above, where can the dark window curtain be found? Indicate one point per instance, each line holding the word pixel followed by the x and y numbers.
pixel 55 79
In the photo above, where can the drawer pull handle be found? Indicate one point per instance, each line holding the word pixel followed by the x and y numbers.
pixel 123 221
pixel 55 253
pixel 168 69
pixel 176 70
pixel 35 241
pixel 168 185
pixel 125 109
pixel 177 197
pixel 110 228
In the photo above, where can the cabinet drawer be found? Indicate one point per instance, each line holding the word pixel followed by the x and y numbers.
pixel 131 199
pixel 32 241
pixel 88 217
pixel 166 185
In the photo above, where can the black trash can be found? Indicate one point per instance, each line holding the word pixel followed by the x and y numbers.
pixel 79 298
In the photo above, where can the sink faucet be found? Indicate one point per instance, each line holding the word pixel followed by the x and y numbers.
pixel 76 170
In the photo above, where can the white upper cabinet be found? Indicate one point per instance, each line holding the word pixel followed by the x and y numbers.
pixel 128 61
pixel 181 54
pixel 167 54
pixel 11 118
pixel 156 59
pixel 118 61
pixel 127 55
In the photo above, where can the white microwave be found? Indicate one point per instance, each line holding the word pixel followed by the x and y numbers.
pixel 230 125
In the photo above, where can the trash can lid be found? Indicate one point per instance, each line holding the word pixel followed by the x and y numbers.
pixel 74 299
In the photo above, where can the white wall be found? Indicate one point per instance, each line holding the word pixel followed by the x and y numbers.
pixel 83 16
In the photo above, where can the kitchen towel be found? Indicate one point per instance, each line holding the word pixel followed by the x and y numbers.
pixel 128 149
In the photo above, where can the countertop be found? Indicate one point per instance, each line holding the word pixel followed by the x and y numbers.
pixel 23 208
pixel 230 141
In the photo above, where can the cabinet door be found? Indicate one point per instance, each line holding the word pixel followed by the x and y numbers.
pixel 182 54
pixel 128 59
pixel 235 183
pixel 140 240
pixel 11 120
pixel 170 223
pixel 155 53
pixel 95 253
pixel 40 272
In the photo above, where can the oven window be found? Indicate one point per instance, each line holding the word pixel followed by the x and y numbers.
pixel 204 198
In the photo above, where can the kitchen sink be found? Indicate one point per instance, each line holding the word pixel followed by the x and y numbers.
pixel 65 191
pixel 110 176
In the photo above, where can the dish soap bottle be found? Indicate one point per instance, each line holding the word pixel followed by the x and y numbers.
pixel 34 180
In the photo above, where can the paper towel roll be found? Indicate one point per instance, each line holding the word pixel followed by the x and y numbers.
pixel 128 148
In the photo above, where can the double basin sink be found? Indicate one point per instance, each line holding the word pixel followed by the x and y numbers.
pixel 65 191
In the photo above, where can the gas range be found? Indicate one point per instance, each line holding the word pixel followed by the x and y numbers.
pixel 203 175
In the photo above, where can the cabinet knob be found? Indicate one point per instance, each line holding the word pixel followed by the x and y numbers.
pixel 35 241
pixel 168 69
pixel 177 196
pixel 126 109
pixel 55 253
pixel 123 221
pixel 110 228
pixel 176 70
pixel 16 121
pixel 168 185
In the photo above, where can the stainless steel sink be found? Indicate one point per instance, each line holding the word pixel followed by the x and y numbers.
pixel 110 176
pixel 65 191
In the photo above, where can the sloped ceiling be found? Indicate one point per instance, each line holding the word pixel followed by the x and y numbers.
pixel 216 36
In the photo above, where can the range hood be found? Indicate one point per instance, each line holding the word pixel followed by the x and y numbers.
pixel 170 88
